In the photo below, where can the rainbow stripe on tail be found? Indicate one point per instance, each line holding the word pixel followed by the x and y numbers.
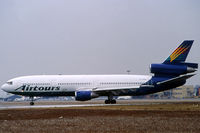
pixel 180 54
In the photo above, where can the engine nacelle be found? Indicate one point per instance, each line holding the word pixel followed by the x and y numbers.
pixel 170 69
pixel 85 95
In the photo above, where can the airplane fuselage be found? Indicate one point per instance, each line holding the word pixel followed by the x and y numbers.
pixel 67 85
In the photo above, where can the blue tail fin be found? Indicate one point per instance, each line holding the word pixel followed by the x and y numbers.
pixel 180 54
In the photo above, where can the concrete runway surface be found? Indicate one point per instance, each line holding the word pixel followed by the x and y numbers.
pixel 127 116
pixel 92 103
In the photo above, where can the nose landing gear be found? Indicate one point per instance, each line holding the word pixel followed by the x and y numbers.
pixel 32 99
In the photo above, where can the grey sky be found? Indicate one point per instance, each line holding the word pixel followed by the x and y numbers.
pixel 94 36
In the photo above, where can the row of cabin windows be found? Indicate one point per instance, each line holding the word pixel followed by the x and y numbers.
pixel 74 83
pixel 102 83
pixel 120 83
pixel 36 84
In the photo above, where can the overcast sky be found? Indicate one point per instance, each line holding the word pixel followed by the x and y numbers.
pixel 94 36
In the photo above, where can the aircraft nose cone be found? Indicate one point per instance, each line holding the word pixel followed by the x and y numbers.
pixel 4 87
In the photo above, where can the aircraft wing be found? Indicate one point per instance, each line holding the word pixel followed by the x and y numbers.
pixel 115 90
pixel 120 90
pixel 176 79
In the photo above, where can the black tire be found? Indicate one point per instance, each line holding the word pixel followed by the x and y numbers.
pixel 107 102
pixel 31 103
pixel 113 101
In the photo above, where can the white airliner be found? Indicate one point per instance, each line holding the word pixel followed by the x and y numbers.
pixel 172 73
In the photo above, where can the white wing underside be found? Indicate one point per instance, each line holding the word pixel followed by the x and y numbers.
pixel 115 88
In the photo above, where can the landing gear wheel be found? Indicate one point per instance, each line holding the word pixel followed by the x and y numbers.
pixel 107 101
pixel 31 103
pixel 113 101
pixel 110 101
pixel 32 99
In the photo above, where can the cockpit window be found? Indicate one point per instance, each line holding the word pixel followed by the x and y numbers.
pixel 9 83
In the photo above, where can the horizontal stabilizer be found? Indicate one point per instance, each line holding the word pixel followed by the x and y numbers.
pixel 176 79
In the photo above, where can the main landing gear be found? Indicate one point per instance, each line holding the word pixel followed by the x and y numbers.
pixel 32 99
pixel 110 100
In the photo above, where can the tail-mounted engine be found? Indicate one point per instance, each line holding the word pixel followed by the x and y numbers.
pixel 173 69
